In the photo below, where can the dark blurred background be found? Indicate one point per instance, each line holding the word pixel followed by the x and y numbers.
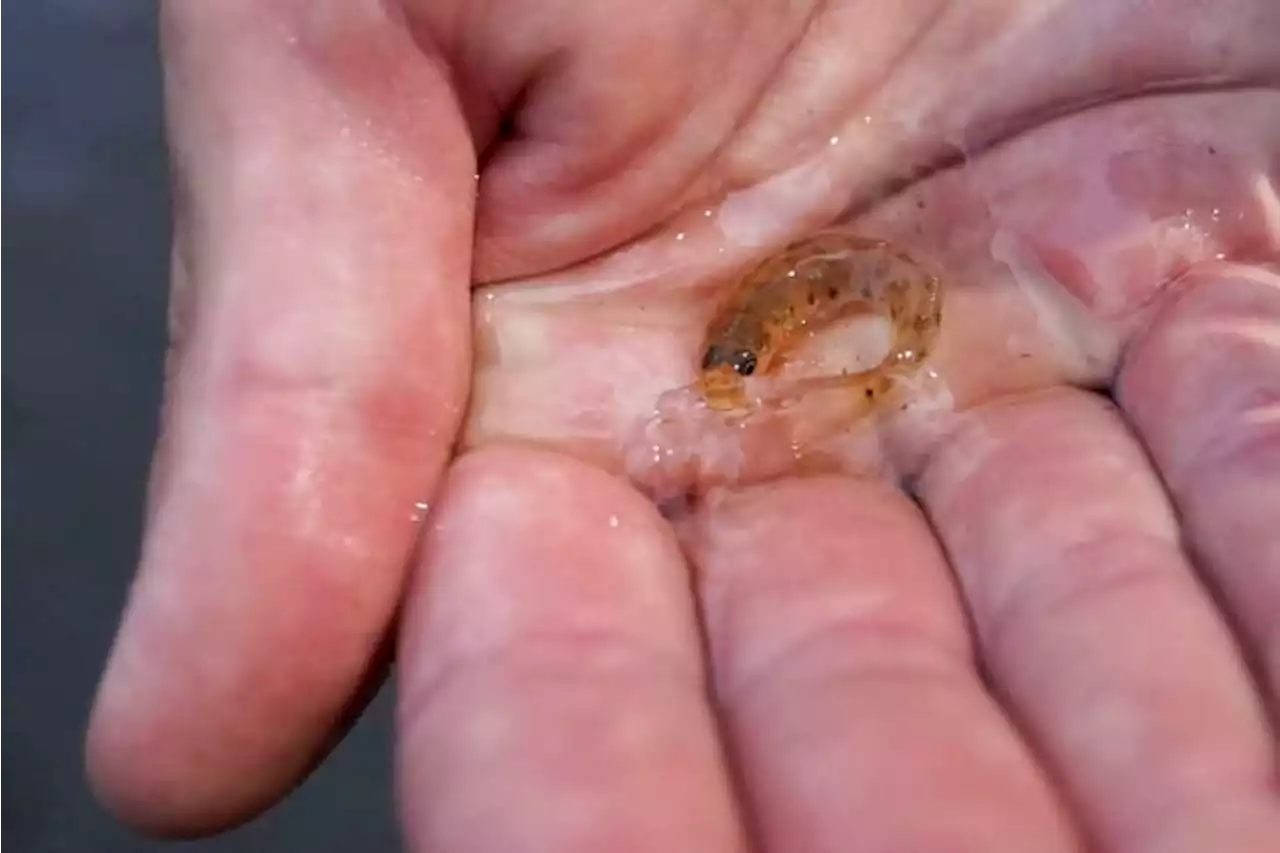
pixel 86 257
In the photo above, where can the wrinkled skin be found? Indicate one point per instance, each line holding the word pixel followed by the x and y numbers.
pixel 1065 639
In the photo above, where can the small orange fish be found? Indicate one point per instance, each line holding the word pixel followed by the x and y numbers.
pixel 809 284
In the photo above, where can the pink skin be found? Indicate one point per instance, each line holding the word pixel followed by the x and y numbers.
pixel 1069 642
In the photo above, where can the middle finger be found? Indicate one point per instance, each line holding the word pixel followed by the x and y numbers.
pixel 842 662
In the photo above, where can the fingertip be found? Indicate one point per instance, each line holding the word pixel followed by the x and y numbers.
pixel 173 773
pixel 133 781
pixel 489 471
pixel 551 693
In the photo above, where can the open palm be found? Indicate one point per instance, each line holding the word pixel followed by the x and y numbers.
pixel 1066 640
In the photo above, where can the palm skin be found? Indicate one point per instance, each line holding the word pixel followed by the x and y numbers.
pixel 1066 640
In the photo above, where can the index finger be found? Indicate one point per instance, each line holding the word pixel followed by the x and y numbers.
pixel 321 292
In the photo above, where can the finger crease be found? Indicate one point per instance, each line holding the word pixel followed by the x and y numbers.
pixel 848 648
pixel 555 656
pixel 1050 591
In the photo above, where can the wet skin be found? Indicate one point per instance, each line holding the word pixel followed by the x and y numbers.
pixel 1063 638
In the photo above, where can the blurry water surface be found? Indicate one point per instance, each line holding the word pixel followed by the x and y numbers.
pixel 85 264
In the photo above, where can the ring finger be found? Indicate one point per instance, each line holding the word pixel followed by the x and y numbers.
pixel 1095 631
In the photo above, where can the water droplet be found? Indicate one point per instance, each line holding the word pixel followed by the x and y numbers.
pixel 419 511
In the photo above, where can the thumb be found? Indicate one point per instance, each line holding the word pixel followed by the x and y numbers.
pixel 324 189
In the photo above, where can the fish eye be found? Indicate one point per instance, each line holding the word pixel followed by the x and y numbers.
pixel 744 362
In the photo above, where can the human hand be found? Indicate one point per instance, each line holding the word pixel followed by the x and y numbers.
pixel 1025 660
